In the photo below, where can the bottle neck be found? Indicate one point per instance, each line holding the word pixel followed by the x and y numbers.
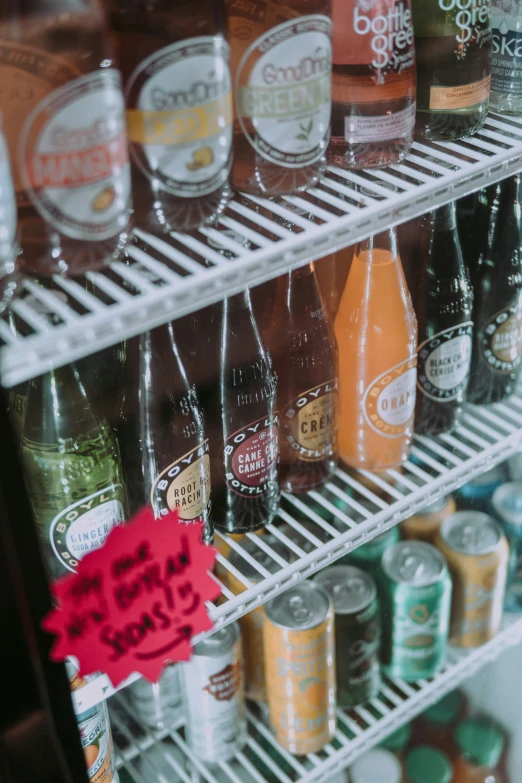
pixel 442 219
pixel 385 241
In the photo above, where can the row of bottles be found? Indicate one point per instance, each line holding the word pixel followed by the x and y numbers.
pixel 216 414
pixel 201 80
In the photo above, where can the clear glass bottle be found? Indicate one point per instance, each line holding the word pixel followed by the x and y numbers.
pixel 506 71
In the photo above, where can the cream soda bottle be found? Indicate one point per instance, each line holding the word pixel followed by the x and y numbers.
pixel 376 331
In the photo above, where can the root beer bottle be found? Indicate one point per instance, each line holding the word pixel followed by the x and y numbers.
pixel 281 56
pixel 243 424
pixel 165 452
pixel 304 351
pixel 64 122
pixel 175 64
pixel 443 302
pixel 497 280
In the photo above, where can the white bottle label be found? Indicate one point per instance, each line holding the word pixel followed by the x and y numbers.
pixel 85 525
pixel 389 401
pixel 74 160
pixel 385 127
pixel 443 363
pixel 7 208
pixel 180 116
pixel 386 33
pixel 283 91
pixel 472 19
pixel 506 21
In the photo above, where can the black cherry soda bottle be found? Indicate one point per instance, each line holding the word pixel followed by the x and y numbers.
pixel 373 113
pixel 165 451
pixel 497 281
pixel 304 351
pixel 282 70
pixel 175 64
pixel 376 332
pixel 64 121
pixel 443 301
pixel 243 424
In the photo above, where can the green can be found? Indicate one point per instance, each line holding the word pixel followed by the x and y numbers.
pixel 416 600
pixel 357 632
pixel 369 556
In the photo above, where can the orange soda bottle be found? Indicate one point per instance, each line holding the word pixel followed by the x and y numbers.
pixel 376 330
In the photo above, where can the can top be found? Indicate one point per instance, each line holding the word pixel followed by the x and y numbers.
pixel 373 550
pixel 428 765
pixel 376 764
pixel 351 589
pixel 471 532
pixel 414 563
pixel 480 741
pixel 507 502
pixel 435 506
pixel 302 607
pixel 219 643
pixel 253 549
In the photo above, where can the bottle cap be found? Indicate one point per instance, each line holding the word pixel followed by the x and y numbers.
pixel 428 765
pixel 480 741
pixel 397 741
pixel 445 711
pixel 376 764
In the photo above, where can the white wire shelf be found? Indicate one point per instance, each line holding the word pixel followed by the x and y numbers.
pixel 255 239
pixel 144 757
pixel 317 529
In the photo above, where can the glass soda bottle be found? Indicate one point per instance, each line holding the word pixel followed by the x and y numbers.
pixel 331 273
pixel 497 313
pixel 165 451
pixel 506 66
pixel 480 744
pixel 453 49
pixel 242 421
pixel 443 301
pixel 281 54
pixel 304 351
pixel 376 333
pixel 178 93
pixel 64 121
pixel 9 247
pixel 373 112
pixel 72 469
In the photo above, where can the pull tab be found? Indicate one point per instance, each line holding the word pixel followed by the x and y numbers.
pixel 299 610
pixel 411 568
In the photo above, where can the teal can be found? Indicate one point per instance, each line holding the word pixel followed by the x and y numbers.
pixel 368 557
pixel 507 507
pixel 416 602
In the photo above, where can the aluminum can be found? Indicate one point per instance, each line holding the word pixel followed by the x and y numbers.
pixel 157 705
pixel 357 632
pixel 477 553
pixel 416 600
pixel 507 506
pixel 477 494
pixel 300 667
pixel 425 524
pixel 212 687
pixel 95 735
pixel 251 624
pixel 369 556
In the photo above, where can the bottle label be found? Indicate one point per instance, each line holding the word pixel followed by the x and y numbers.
pixel 283 91
pixel 443 363
pixel 184 486
pixel 73 157
pixel 251 457
pixel 501 340
pixel 389 402
pixel 461 97
pixel 85 525
pixel 7 209
pixel 381 127
pixel 471 20
pixel 96 740
pixel 506 21
pixel 377 33
pixel 310 422
pixel 180 116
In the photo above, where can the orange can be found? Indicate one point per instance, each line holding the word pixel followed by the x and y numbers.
pixel 300 668
pixel 424 526
pixel 477 553
pixel 251 624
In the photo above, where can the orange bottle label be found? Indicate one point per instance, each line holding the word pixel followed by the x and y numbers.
pixel 389 401
pixel 461 97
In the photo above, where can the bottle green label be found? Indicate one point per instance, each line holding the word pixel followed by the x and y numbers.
pixel 84 526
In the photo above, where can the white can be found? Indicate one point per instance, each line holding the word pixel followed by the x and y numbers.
pixel 212 686
pixel 158 705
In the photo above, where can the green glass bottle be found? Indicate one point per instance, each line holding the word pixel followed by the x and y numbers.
pixel 72 469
